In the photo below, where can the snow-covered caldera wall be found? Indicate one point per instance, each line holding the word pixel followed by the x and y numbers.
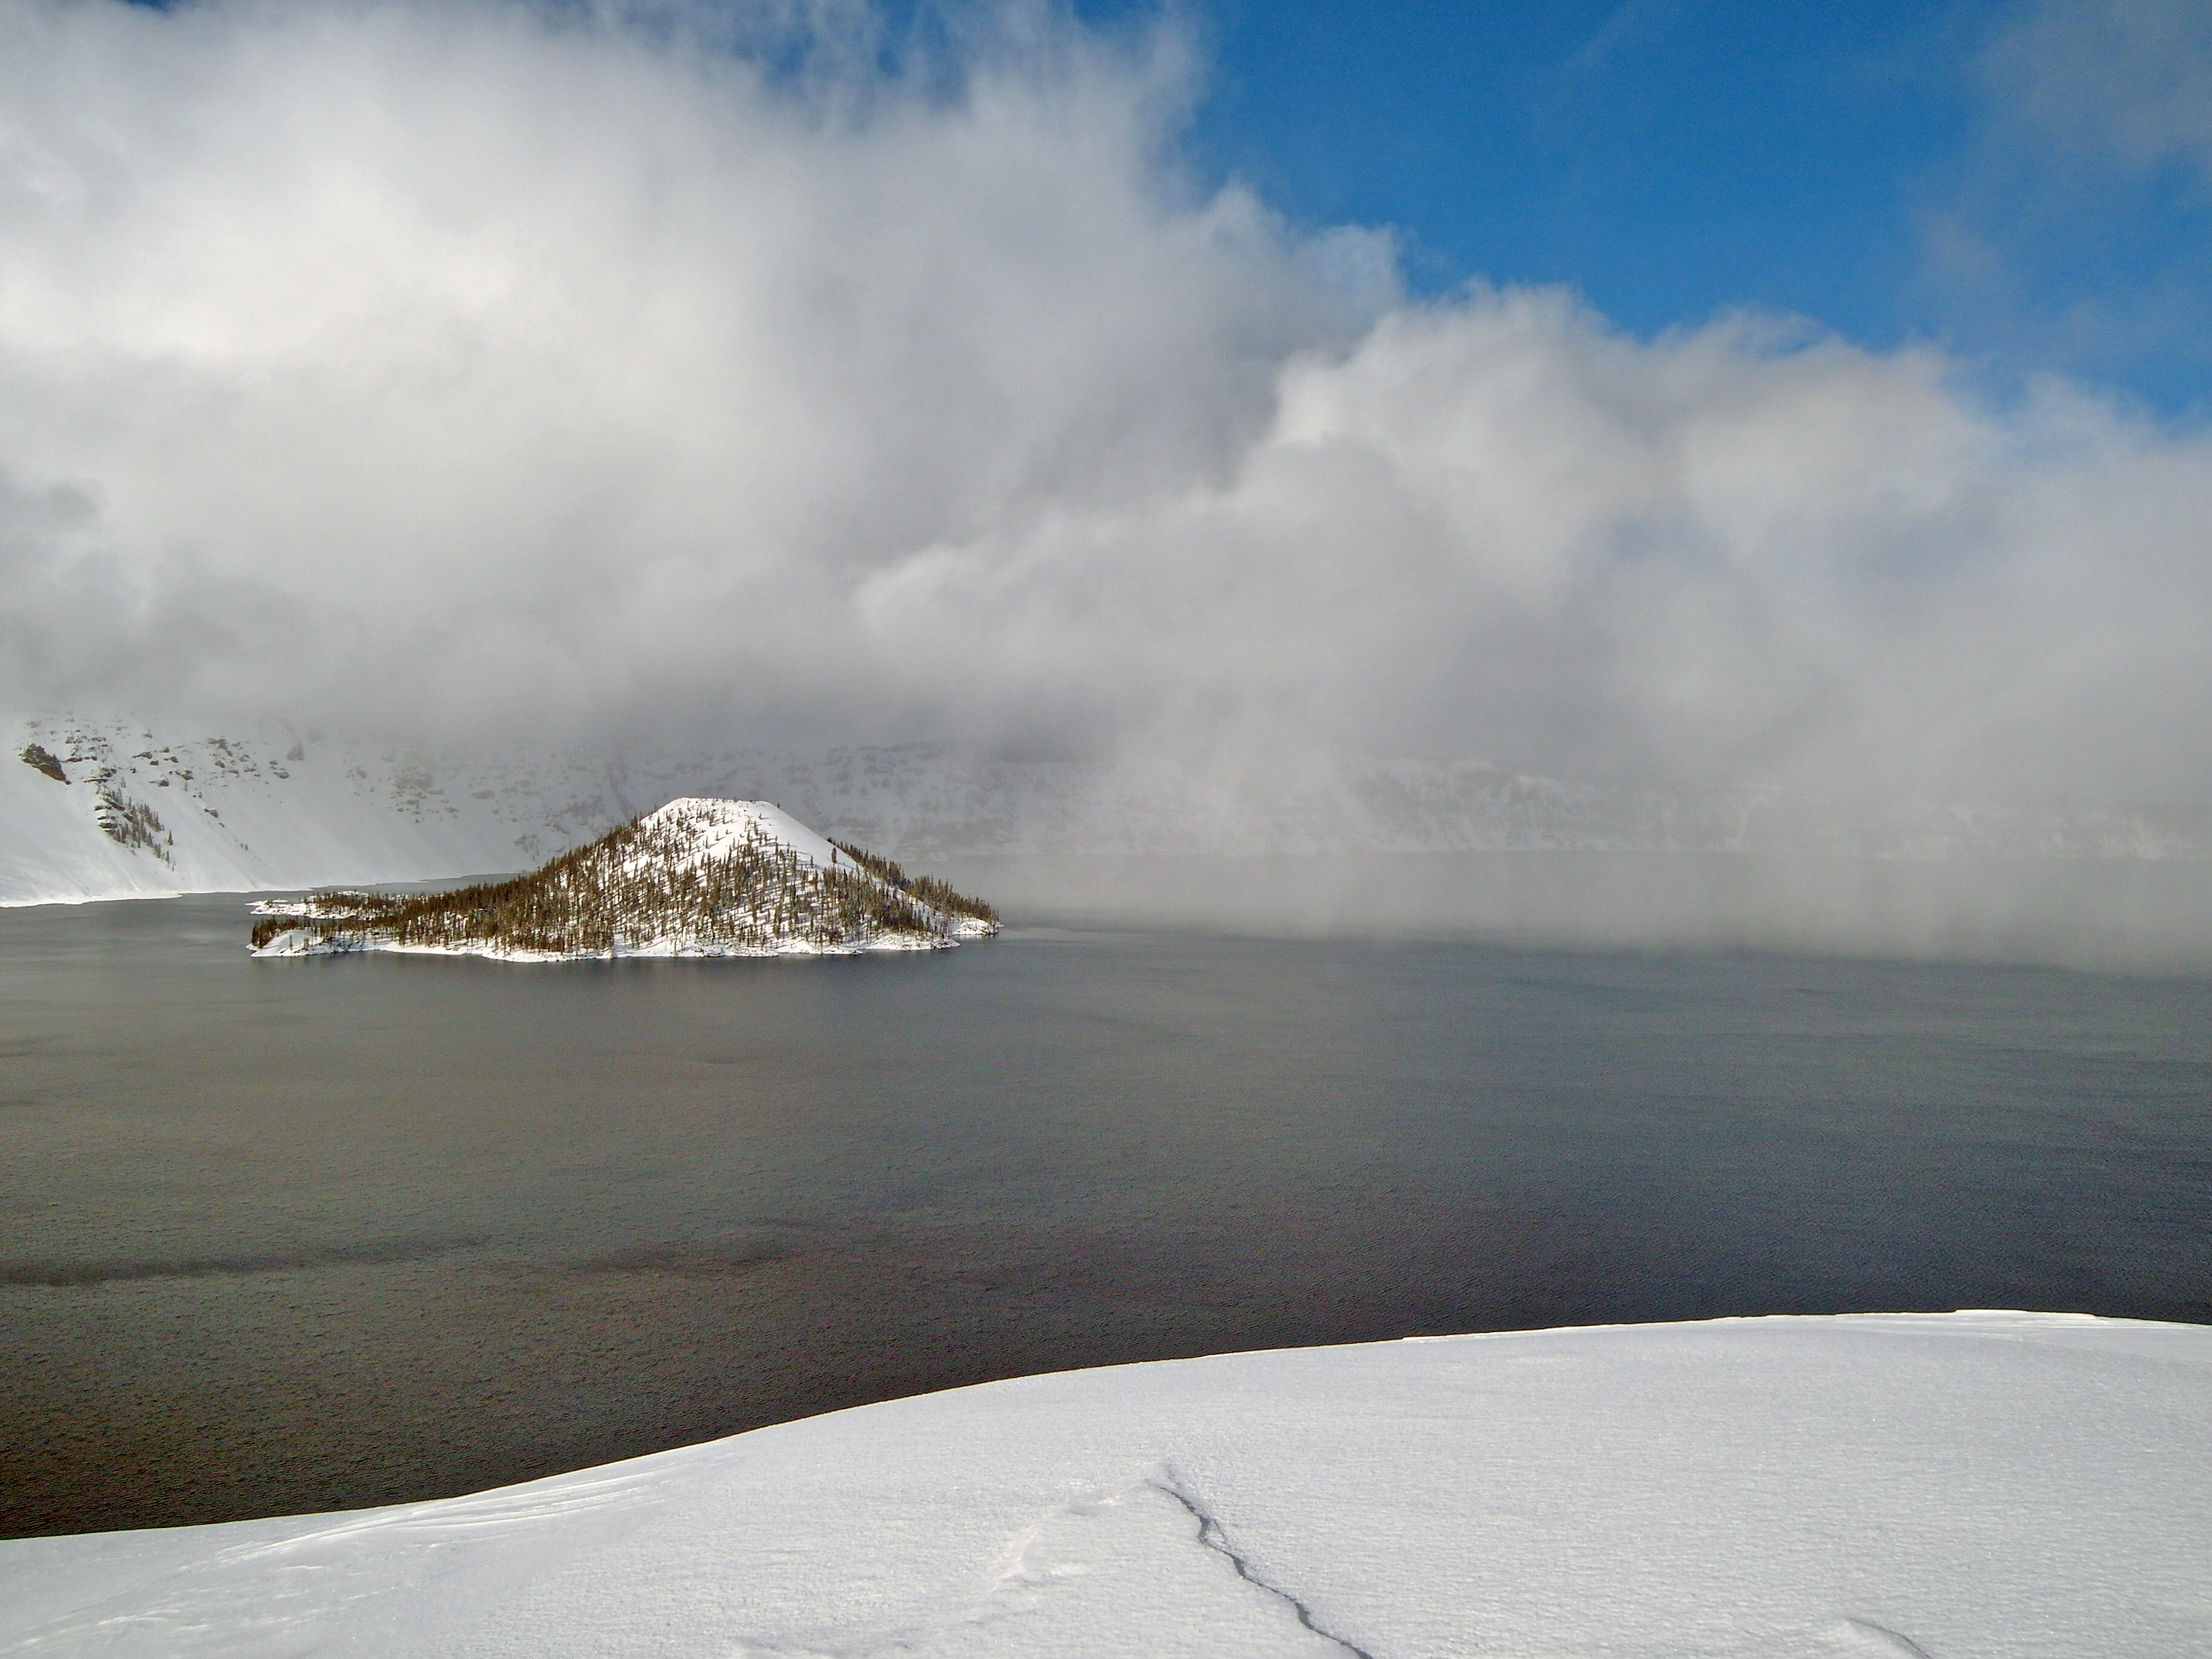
pixel 141 811
pixel 1909 1487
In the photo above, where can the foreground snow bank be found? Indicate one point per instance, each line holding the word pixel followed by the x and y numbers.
pixel 1985 1484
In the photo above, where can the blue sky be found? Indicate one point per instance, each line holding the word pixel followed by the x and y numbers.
pixel 1894 169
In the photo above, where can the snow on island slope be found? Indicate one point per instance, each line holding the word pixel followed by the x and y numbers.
pixel 1957 1486
pixel 698 878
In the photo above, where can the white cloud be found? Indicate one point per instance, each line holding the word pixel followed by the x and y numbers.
pixel 2131 79
pixel 2071 230
pixel 451 367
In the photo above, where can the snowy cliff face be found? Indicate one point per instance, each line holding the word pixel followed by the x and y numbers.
pixel 235 813
pixel 697 877
pixel 137 812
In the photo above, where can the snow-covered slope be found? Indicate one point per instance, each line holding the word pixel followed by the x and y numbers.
pixel 1962 1486
pixel 694 879
pixel 262 811
pixel 275 809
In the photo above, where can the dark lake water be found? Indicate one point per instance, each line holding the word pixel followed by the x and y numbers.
pixel 296 1235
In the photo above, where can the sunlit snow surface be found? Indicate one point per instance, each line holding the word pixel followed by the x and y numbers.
pixel 1985 1485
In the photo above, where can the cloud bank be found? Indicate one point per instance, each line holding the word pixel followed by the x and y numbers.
pixel 485 369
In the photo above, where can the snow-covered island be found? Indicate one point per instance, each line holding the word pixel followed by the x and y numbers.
pixel 697 878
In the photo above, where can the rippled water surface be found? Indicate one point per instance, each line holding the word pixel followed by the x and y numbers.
pixel 305 1235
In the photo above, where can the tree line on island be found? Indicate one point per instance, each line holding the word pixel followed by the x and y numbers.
pixel 646 881
pixel 936 895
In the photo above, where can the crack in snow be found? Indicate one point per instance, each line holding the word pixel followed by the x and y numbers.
pixel 1865 1635
pixel 1214 1536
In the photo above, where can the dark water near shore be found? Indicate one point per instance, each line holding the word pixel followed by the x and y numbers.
pixel 300 1235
